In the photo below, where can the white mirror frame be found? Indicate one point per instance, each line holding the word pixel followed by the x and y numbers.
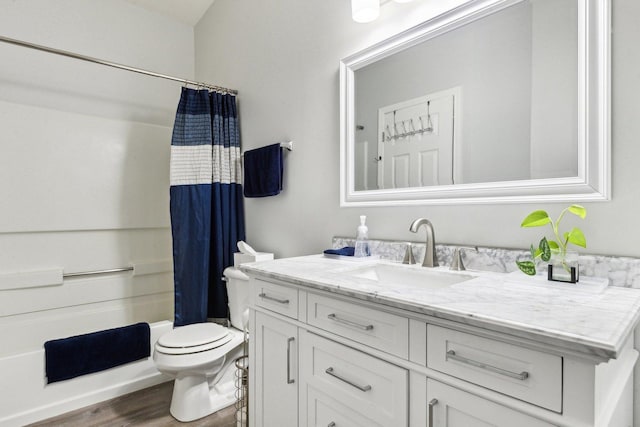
pixel 594 147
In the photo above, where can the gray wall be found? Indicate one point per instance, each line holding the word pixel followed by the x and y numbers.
pixel 490 60
pixel 283 58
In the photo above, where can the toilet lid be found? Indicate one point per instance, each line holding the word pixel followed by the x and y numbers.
pixel 196 337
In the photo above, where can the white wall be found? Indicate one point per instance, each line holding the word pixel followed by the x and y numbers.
pixel 84 184
pixel 283 58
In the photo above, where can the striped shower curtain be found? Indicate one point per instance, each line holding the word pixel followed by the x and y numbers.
pixel 207 215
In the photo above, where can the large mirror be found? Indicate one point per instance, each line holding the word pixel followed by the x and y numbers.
pixel 494 101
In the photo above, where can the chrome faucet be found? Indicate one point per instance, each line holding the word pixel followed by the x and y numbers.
pixel 430 259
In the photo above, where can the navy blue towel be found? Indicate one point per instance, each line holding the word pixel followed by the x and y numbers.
pixel 263 168
pixel 68 358
pixel 346 251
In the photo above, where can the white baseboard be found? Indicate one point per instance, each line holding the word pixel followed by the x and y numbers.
pixel 27 398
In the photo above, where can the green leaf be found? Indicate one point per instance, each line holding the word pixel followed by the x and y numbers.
pixel 536 219
pixel 578 210
pixel 537 253
pixel 527 267
pixel 576 237
pixel 553 245
pixel 544 249
pixel 533 252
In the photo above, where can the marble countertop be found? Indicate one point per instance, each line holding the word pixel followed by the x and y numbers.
pixel 590 320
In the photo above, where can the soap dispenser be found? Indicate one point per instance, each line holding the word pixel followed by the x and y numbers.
pixel 362 239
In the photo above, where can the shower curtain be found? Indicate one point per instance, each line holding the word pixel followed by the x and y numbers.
pixel 207 215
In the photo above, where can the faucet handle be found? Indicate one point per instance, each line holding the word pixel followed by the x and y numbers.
pixel 408 255
pixel 456 262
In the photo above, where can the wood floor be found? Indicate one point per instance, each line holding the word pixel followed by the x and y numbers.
pixel 148 407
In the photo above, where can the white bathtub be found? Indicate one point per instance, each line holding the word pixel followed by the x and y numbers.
pixel 26 397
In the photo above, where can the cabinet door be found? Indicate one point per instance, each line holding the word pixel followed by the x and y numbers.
pixel 451 407
pixel 276 376
pixel 369 387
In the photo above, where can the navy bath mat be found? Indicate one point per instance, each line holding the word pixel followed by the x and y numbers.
pixel 85 354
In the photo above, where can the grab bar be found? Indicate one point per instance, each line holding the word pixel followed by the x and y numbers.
pixel 56 276
pixel 91 273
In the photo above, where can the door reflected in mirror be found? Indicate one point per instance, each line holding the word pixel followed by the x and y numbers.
pixel 415 146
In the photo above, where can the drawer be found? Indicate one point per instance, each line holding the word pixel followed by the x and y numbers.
pixel 448 406
pixel 322 410
pixel 525 374
pixel 375 328
pixel 363 383
pixel 274 297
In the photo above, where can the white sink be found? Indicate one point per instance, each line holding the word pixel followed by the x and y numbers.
pixel 398 275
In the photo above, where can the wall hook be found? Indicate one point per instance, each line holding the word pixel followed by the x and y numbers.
pixel 429 122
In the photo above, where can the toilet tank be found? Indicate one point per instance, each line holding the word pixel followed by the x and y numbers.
pixel 238 294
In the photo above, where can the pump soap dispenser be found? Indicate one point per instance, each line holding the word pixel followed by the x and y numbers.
pixel 362 239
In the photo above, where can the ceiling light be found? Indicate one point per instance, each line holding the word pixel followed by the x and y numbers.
pixel 368 10
pixel 365 10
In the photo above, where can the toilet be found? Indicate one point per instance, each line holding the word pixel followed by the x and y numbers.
pixel 201 356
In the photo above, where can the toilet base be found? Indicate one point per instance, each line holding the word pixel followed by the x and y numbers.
pixel 193 398
pixel 196 396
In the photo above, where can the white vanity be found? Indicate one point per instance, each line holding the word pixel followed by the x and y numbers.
pixel 342 343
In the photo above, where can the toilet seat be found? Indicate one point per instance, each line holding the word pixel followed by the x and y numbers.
pixel 194 338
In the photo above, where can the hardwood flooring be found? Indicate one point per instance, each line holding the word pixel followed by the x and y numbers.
pixel 147 407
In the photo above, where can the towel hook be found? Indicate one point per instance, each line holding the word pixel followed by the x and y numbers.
pixel 429 122
pixel 387 134
pixel 395 125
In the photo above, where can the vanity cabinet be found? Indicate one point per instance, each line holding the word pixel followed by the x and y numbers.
pixel 325 359
pixel 451 407
pixel 276 374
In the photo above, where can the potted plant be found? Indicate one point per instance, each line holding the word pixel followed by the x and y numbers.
pixel 563 264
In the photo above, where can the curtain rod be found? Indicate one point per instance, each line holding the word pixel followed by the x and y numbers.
pixel 114 64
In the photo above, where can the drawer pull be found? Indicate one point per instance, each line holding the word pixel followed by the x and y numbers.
pixel 432 403
pixel 335 318
pixel 451 354
pixel 289 379
pixel 278 300
pixel 329 371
